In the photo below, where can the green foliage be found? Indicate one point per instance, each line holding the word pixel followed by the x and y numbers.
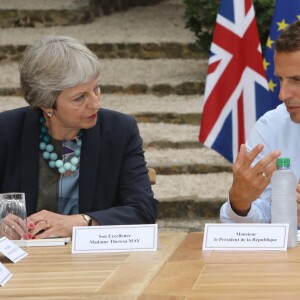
pixel 200 17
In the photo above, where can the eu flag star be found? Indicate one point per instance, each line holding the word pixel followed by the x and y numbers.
pixel 265 63
pixel 270 42
pixel 282 25
pixel 272 85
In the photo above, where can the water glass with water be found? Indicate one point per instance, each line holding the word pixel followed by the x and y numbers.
pixel 13 217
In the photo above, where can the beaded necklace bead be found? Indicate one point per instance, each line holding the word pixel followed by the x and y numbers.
pixel 48 151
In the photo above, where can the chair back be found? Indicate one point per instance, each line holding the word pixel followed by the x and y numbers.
pixel 152 175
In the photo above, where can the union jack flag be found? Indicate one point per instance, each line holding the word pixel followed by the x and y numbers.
pixel 236 90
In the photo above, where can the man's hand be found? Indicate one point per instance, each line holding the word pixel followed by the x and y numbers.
pixel 249 182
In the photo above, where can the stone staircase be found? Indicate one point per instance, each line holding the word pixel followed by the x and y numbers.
pixel 152 70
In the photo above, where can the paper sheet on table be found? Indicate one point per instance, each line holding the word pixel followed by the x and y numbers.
pixel 43 242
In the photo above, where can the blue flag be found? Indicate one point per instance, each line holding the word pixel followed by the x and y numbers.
pixel 285 13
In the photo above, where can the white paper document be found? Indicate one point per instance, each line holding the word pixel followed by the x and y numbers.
pixel 5 275
pixel 11 250
pixel 245 237
pixel 125 238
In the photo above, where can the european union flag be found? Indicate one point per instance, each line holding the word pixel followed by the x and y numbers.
pixel 285 13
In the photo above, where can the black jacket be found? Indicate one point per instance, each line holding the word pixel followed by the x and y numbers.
pixel 114 186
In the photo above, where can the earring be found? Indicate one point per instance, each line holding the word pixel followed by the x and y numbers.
pixel 50 114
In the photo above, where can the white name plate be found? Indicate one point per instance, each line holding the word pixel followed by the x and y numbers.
pixel 11 251
pixel 5 275
pixel 245 237
pixel 125 238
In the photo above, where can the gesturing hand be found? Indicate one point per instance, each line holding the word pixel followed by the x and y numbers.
pixel 249 182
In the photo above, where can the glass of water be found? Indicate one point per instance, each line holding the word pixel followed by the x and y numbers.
pixel 13 217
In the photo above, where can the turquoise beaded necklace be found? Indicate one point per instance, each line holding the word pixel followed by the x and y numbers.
pixel 48 151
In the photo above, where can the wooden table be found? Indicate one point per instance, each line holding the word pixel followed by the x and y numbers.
pixel 179 270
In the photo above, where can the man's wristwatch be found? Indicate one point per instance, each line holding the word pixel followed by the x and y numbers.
pixel 88 219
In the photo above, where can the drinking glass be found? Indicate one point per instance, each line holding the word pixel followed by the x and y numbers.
pixel 13 217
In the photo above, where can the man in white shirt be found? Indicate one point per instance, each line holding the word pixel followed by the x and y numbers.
pixel 275 134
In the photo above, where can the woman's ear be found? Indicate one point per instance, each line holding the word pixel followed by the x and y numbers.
pixel 48 111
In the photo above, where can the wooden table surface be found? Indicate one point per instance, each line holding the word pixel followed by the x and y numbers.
pixel 178 270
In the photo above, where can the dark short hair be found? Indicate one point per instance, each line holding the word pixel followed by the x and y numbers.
pixel 53 64
pixel 289 39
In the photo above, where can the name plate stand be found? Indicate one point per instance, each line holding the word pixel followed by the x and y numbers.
pixel 5 275
pixel 118 238
pixel 245 237
pixel 13 253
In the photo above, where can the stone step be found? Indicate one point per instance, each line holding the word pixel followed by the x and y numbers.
pixel 7 102
pixel 195 224
pixel 155 31
pixel 145 108
pixel 153 109
pixel 161 135
pixel 148 50
pixel 186 161
pixel 148 24
pixel 43 13
pixel 191 195
pixel 133 76
pixel 40 13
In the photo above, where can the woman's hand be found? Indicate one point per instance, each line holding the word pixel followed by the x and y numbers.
pixel 45 223
pixel 13 227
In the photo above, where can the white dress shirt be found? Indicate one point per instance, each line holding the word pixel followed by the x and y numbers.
pixel 276 131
